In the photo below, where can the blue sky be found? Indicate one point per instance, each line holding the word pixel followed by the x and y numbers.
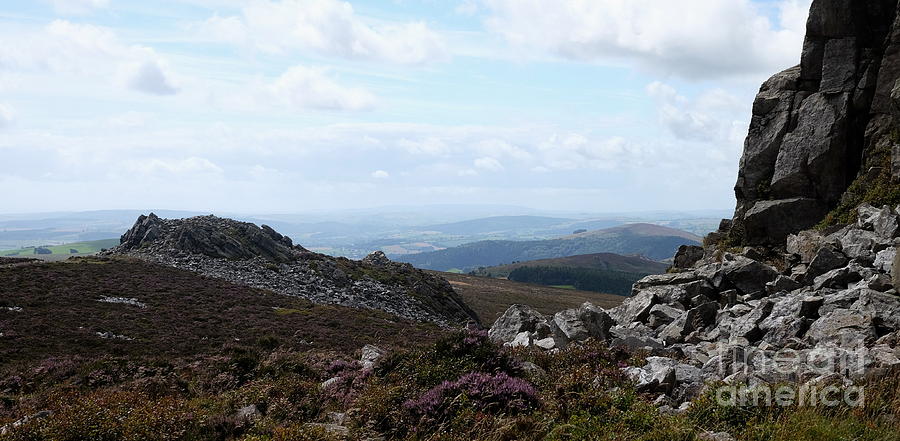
pixel 292 105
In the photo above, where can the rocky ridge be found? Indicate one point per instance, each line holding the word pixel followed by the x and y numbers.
pixel 825 311
pixel 819 126
pixel 260 257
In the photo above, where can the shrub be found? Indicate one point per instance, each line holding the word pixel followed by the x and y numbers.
pixel 487 392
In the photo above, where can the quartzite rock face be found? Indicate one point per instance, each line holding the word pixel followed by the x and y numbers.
pixel 813 124
pixel 244 253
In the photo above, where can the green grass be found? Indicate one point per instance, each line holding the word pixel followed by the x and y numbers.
pixel 88 247
pixel 563 286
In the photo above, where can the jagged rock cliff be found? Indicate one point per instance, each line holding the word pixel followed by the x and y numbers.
pixel 815 126
pixel 260 257
pixel 808 307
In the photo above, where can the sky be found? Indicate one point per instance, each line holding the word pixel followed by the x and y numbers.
pixel 265 106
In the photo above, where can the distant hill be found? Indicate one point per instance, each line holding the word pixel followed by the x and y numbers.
pixel 497 224
pixel 598 261
pixel 652 241
pixel 490 298
pixel 603 272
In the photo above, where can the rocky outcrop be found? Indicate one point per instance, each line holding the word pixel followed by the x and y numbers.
pixel 211 236
pixel 261 257
pixel 734 318
pixel 813 125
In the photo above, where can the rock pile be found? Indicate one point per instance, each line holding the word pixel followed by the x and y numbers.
pixel 827 309
pixel 260 257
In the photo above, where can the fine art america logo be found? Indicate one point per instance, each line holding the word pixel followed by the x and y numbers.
pixel 787 377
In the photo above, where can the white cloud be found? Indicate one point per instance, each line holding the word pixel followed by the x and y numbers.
pixel 573 151
pixel 467 7
pixel 489 164
pixel 429 145
pixel 714 117
pixel 6 116
pixel 304 87
pixel 692 38
pixel 78 6
pixel 380 174
pixel 92 51
pixel 328 27
pixel 149 77
pixel 497 147
pixel 187 166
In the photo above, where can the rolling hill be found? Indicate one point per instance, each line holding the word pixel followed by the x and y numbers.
pixel 598 261
pixel 490 298
pixel 651 241
pixel 603 272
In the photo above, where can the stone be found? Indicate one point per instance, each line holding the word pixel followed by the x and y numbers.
pixel 884 260
pixel 826 259
pixel 809 307
pixel 715 436
pixel 747 326
pixel 843 327
pixel 663 315
pixel 667 279
pixel 635 309
pixel 546 343
pixel 693 289
pixel 769 222
pixel 584 322
pixel 782 284
pixel 522 339
pixel 805 244
pixel 635 343
pixel 687 256
pixel 771 120
pixel 839 278
pixel 896 271
pixel 695 319
pixel 811 159
pixel 747 275
pixel 248 413
pixel 882 307
pixel 377 258
pixel 856 243
pixel 516 319
pixel 658 375
pixel 880 283
pixel 887 224
pixel 370 355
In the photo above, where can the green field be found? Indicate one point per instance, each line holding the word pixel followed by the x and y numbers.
pixel 81 248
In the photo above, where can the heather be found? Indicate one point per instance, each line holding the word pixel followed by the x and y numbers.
pixel 209 360
pixel 186 314
pixel 461 387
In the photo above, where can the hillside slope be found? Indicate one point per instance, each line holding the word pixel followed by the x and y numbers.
pixel 244 253
pixel 490 298
pixel 130 307
pixel 652 241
